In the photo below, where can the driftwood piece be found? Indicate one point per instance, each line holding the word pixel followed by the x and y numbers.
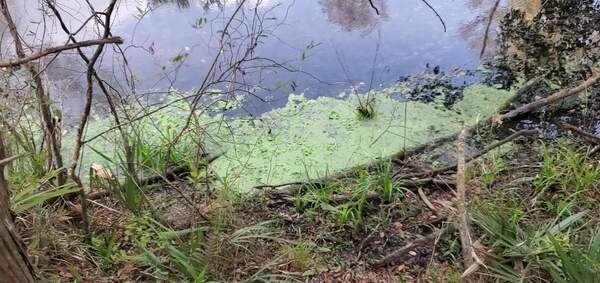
pixel 342 198
pixel 498 119
pixel 334 198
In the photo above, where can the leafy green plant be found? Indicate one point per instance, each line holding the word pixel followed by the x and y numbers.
pixel 579 263
pixel 366 109
pixel 127 190
pixel 300 203
pixel 159 152
pixel 75 273
pixel 33 195
pixel 568 173
pixel 166 251
pixel 491 169
pixel 344 214
pixel 534 246
pixel 107 249
pixel 385 184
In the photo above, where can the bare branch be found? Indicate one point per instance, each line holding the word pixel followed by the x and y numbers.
pixel 6 161
pixel 487 28
pixel 373 6
pixel 496 120
pixel 58 49
pixel 587 136
pixel 436 13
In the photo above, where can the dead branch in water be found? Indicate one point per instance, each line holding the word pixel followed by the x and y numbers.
pixel 487 149
pixel 58 49
pixel 499 118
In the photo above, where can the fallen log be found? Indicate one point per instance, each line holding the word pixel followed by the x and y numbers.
pixel 289 190
pixel 499 118
pixel 486 150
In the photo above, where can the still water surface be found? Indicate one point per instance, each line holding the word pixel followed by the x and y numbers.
pixel 343 36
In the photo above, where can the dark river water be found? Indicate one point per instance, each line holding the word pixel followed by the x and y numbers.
pixel 331 44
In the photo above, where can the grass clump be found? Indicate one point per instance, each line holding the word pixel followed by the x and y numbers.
pixel 525 249
pixel 348 203
pixel 566 174
pixel 302 256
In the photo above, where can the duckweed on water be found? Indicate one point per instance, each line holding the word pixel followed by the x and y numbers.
pixel 312 138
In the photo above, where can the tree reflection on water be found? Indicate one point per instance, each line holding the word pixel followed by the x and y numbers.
pixel 354 15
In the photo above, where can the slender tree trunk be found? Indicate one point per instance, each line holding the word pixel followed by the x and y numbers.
pixel 49 126
pixel 14 263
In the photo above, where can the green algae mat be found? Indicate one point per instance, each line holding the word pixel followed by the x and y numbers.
pixel 306 139
pixel 310 139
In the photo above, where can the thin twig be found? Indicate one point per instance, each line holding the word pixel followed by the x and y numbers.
pixel 105 207
pixel 436 13
pixel 373 6
pixel 461 203
pixel 364 241
pixel 8 160
pixel 471 261
pixel 426 200
pixel 594 150
pixel 101 84
pixel 587 136
pixel 487 28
